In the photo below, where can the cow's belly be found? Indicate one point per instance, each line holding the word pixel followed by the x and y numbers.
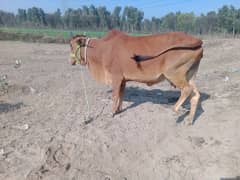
pixel 149 72
pixel 149 79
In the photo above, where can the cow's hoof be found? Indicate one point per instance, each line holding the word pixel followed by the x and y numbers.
pixel 113 115
pixel 175 109
pixel 180 110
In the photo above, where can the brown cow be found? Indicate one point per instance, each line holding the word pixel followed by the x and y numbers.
pixel 118 58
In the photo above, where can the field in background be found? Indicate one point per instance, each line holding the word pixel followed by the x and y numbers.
pixel 43 35
pixel 46 35
pixel 54 33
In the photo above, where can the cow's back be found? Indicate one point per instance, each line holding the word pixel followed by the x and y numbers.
pixel 124 47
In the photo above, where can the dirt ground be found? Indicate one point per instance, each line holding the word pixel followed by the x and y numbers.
pixel 43 133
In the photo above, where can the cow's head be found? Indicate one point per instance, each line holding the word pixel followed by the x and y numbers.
pixel 76 44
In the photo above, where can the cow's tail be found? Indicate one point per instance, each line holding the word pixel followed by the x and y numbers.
pixel 139 58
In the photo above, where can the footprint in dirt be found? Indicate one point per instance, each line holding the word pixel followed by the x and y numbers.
pixel 197 141
pixel 57 162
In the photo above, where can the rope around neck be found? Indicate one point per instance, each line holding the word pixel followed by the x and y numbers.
pixel 85 50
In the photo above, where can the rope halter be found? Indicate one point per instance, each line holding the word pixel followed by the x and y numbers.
pixel 77 54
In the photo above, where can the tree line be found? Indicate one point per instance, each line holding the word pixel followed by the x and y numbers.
pixel 129 19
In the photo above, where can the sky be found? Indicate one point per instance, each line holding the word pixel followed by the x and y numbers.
pixel 157 8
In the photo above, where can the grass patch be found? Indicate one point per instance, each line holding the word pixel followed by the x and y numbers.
pixel 46 35
pixel 54 33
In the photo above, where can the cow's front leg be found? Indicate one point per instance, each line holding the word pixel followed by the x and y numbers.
pixel 116 96
pixel 121 94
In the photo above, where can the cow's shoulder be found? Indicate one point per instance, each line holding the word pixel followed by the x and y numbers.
pixel 113 34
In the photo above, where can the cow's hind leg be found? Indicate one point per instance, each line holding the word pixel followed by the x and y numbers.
pixel 195 95
pixel 185 93
pixel 189 90
pixel 181 82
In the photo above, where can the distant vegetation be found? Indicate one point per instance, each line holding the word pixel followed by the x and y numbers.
pixel 130 19
pixel 50 32
pixel 45 34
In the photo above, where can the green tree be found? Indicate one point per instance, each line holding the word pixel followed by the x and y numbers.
pixel 7 19
pixel 227 17
pixel 185 22
pixel 115 17
pixel 93 17
pixel 132 19
pixel 21 16
pixel 169 22
pixel 104 17
pixel 156 24
pixel 146 25
pixel 36 17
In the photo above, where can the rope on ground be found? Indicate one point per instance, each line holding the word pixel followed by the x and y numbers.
pixel 87 114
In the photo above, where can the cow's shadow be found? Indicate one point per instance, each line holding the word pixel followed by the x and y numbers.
pixel 138 96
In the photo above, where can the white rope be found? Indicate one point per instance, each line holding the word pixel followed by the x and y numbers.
pixel 84 84
pixel 85 94
pixel 87 117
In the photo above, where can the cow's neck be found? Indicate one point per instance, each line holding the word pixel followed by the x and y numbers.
pixel 95 62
